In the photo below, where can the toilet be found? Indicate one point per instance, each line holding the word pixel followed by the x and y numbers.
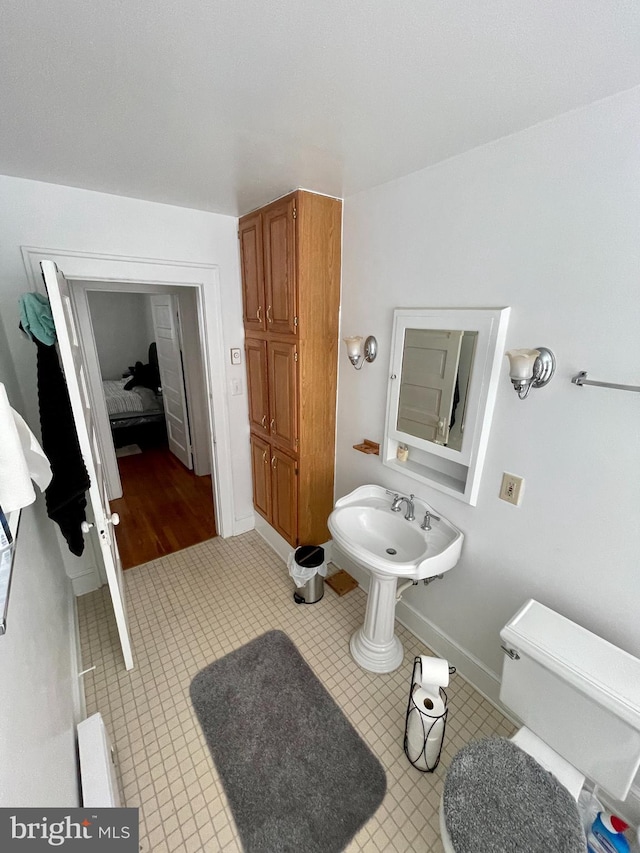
pixel 578 698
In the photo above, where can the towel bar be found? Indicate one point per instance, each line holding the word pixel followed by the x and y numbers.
pixel 581 379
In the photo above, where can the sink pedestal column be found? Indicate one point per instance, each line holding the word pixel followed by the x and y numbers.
pixel 374 646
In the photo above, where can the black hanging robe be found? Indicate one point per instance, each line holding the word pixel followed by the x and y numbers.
pixel 65 495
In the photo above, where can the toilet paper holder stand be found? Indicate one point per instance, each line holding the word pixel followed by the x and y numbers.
pixel 425 723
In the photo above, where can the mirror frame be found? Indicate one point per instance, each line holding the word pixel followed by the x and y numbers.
pixel 454 472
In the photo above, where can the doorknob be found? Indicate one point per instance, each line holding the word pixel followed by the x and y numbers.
pixel 115 519
pixel 86 526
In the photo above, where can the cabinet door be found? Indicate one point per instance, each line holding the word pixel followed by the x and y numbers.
pixel 250 232
pixel 284 495
pixel 283 398
pixel 261 469
pixel 256 353
pixel 280 267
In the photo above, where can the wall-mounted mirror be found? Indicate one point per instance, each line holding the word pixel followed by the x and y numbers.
pixel 443 378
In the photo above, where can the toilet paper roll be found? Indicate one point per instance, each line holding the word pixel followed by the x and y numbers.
pixel 21 459
pixel 434 671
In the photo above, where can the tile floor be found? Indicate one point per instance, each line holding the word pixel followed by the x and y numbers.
pixel 188 609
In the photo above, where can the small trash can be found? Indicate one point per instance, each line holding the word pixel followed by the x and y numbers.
pixel 308 570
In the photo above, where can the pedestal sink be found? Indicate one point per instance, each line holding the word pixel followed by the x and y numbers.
pixel 389 547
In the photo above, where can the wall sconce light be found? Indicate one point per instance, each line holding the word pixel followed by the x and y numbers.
pixel 530 368
pixel 357 352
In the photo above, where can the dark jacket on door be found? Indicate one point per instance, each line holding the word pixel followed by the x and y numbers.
pixel 66 494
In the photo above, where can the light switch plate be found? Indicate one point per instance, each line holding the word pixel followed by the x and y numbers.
pixel 512 488
pixel 236 354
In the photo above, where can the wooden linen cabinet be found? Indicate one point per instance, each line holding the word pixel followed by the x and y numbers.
pixel 290 261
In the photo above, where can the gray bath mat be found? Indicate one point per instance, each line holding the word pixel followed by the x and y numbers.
pixel 297 775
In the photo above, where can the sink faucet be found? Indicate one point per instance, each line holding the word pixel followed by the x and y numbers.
pixel 396 506
pixel 426 524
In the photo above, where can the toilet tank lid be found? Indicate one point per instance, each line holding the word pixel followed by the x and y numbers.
pixel 592 665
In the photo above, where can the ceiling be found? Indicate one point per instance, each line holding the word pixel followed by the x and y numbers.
pixel 223 105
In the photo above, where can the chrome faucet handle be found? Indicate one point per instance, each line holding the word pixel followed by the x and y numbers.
pixel 426 524
pixel 395 503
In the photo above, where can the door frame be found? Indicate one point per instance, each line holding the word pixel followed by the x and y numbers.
pixel 197 403
pixel 145 272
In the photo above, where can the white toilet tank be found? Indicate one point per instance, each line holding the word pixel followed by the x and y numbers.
pixel 577 692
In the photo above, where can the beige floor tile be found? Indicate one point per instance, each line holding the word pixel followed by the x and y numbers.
pixel 191 608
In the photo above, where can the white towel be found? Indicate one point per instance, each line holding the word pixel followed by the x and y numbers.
pixel 21 459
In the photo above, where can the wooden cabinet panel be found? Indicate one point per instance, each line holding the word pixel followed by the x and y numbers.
pixel 283 400
pixel 284 495
pixel 280 267
pixel 261 469
pixel 291 266
pixel 251 254
pixel 257 385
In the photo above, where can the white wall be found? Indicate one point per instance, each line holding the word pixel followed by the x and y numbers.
pixel 37 710
pixel 46 215
pixel 121 330
pixel 548 222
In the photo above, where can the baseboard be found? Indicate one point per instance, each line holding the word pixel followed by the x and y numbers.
pixel 244 525
pixel 273 538
pixel 82 584
pixel 280 545
pixel 469 667
pixel 77 682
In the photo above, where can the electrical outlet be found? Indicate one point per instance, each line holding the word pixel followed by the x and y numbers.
pixel 512 488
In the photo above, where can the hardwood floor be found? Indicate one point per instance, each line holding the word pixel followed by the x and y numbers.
pixel 164 507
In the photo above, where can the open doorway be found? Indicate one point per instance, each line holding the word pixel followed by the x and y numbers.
pixel 148 384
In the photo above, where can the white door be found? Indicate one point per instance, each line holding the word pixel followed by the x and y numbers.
pixel 167 333
pixel 429 371
pixel 76 376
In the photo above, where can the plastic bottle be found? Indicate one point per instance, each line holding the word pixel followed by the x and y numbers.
pixel 606 835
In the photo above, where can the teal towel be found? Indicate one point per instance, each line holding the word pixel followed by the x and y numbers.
pixel 36 319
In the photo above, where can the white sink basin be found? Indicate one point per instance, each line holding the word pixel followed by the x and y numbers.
pixel 364 527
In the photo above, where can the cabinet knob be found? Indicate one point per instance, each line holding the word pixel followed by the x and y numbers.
pixel 274 462
pixel 264 422
pixel 269 317
pixel 259 314
pixel 273 424
pixel 265 457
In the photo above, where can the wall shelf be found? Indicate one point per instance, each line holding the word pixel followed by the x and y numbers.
pixel 372 447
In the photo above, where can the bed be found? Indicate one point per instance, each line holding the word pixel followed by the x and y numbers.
pixel 136 407
pixel 134 404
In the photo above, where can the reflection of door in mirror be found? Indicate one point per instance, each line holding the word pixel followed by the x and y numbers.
pixel 436 365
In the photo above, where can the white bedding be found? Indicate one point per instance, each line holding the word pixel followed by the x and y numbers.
pixel 120 402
